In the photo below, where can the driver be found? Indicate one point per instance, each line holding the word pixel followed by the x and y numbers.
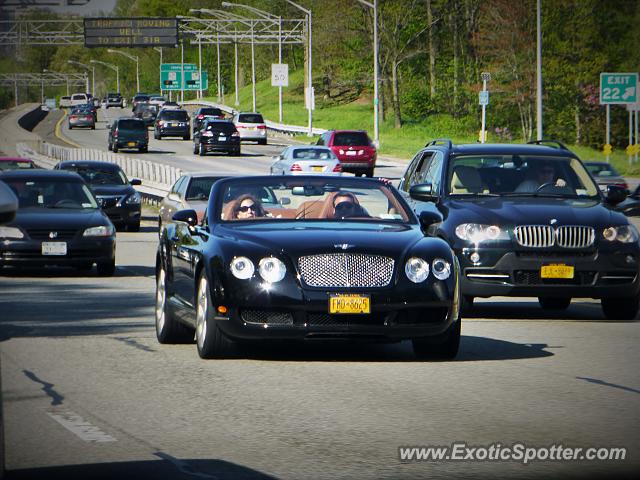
pixel 543 174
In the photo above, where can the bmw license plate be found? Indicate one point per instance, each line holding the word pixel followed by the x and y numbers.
pixel 340 303
pixel 556 271
pixel 54 248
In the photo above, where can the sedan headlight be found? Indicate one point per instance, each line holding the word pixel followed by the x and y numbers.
pixel 621 233
pixel 271 269
pixel 441 268
pixel 102 231
pixel 11 232
pixel 477 232
pixel 133 199
pixel 242 268
pixel 417 269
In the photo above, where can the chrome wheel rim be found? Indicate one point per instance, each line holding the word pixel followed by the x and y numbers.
pixel 201 321
pixel 161 298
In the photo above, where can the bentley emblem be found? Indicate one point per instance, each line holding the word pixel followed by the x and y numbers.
pixel 53 234
pixel 553 221
pixel 343 246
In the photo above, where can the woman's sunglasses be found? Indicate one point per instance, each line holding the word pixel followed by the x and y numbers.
pixel 246 208
pixel 344 206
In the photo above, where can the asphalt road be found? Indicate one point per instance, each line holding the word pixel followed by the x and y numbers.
pixel 89 393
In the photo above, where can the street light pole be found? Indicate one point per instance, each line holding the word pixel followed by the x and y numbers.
pixel 112 67
pixel 130 57
pixel 235 50
pixel 376 99
pixel 159 49
pixel 539 72
pixel 93 73
pixel 310 77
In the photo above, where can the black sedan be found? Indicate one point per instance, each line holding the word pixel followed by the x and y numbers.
pixel 58 223
pixel 216 136
pixel 528 221
pixel 305 265
pixel 114 191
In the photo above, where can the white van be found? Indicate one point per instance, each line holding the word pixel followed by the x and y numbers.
pixel 79 99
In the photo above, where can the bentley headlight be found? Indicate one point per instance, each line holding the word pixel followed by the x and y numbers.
pixel 11 232
pixel 441 268
pixel 271 269
pixel 621 233
pixel 242 268
pixel 133 199
pixel 477 232
pixel 417 269
pixel 102 231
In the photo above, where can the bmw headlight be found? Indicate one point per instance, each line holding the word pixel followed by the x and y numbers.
pixel 133 199
pixel 417 269
pixel 621 233
pixel 477 232
pixel 271 269
pixel 441 268
pixel 102 231
pixel 242 268
pixel 11 232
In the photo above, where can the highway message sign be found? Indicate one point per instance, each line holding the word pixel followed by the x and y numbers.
pixel 130 32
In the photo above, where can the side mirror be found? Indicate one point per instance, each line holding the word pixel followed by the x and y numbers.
pixel 423 192
pixel 428 218
pixel 615 194
pixel 187 216
pixel 135 181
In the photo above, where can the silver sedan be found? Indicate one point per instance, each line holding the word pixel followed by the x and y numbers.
pixel 305 160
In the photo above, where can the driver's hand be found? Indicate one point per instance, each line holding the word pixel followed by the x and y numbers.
pixel 561 183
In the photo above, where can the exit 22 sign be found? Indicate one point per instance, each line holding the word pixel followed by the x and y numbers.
pixel 618 88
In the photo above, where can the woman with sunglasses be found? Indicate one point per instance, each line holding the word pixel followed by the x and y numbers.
pixel 247 206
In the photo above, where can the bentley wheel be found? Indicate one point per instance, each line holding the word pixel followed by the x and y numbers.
pixel 554 303
pixel 168 329
pixel 620 308
pixel 202 151
pixel 210 340
pixel 442 348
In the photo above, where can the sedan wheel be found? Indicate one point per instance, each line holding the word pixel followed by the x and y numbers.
pixel 168 329
pixel 210 340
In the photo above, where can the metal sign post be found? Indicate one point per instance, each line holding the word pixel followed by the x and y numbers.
pixel 484 101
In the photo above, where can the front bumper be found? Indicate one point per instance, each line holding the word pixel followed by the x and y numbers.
pixel 597 274
pixel 174 131
pixel 232 145
pixel 29 252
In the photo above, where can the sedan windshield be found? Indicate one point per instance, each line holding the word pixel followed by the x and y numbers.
pixel 519 175
pixel 313 154
pixel 101 176
pixel 318 199
pixel 49 193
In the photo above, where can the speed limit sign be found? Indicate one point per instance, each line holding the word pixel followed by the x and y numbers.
pixel 279 75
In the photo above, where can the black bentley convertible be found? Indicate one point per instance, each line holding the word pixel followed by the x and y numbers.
pixel 284 257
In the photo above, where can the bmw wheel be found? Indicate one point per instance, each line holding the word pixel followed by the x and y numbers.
pixel 202 151
pixel 210 340
pixel 620 308
pixel 168 329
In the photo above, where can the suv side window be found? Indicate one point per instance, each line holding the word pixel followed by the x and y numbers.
pixel 433 171
pixel 323 139
pixel 404 182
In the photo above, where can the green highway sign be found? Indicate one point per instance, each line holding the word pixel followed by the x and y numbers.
pixel 171 77
pixel 618 88
pixel 178 67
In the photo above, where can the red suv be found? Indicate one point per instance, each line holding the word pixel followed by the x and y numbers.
pixel 354 150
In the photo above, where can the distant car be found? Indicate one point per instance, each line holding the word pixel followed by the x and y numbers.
pixel 147 112
pixel 206 112
pixel 172 123
pixel 605 174
pixel 251 127
pixel 354 149
pixel 58 223
pixel 128 133
pixel 216 136
pixel 16 163
pixel 79 99
pixel 114 100
pixel 171 106
pixel 139 98
pixel 158 100
pixel 82 117
pixel 65 102
pixel 306 160
pixel 114 191
pixel 191 191
pixel 630 206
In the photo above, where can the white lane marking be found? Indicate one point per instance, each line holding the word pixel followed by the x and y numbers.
pixel 83 429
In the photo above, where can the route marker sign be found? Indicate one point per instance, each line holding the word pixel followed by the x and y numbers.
pixel 483 97
pixel 618 88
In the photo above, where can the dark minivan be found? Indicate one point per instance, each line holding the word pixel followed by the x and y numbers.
pixel 172 123
pixel 128 133
pixel 218 136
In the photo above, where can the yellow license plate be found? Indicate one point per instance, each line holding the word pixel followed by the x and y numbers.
pixel 349 304
pixel 317 168
pixel 556 271
pixel 131 144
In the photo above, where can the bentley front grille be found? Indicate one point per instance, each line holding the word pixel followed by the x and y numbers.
pixel 544 236
pixel 346 270
pixel 263 317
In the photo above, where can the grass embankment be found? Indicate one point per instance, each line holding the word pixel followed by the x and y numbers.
pixel 400 143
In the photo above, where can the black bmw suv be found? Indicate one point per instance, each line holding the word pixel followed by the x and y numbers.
pixel 527 221
pixel 172 123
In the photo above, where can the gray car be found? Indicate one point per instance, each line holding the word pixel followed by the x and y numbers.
pixel 82 117
pixel 306 160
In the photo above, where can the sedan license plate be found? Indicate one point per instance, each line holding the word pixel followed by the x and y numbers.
pixel 54 248
pixel 351 152
pixel 556 271
pixel 222 138
pixel 317 168
pixel 349 304
pixel 131 144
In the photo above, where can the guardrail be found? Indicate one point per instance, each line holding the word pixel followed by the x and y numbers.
pixel 277 127
pixel 157 178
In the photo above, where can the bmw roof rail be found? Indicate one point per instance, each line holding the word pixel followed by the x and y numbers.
pixel 440 141
pixel 550 143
